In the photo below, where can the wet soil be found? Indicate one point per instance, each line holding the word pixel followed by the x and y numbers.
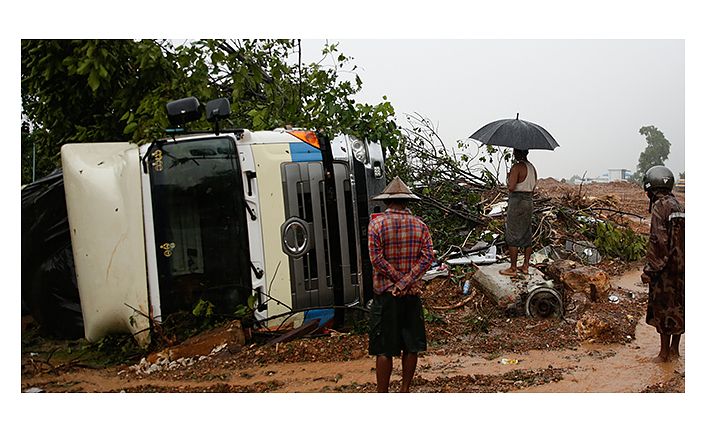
pixel 506 354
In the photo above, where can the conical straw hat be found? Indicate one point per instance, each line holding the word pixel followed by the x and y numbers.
pixel 397 189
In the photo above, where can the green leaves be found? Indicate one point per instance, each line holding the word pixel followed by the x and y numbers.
pixel 203 309
pixel 94 80
pixel 116 90
pixel 619 242
pixel 131 127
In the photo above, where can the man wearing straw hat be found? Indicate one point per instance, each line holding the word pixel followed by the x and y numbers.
pixel 401 252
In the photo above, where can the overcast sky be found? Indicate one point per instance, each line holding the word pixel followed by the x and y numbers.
pixel 591 95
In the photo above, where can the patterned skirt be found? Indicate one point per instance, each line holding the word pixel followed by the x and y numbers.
pixel 665 304
pixel 518 223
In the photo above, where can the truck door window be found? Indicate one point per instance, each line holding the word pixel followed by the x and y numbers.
pixel 200 225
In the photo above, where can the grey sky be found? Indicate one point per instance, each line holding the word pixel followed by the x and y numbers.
pixel 591 95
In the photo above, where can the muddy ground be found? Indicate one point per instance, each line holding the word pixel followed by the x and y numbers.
pixel 473 346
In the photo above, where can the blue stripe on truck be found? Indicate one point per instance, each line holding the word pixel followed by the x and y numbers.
pixel 303 152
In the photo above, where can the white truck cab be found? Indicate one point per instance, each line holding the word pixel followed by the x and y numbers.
pixel 222 216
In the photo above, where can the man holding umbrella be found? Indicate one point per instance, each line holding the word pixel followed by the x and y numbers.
pixel 522 136
pixel 521 182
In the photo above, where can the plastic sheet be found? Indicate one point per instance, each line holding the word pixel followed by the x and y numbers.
pixel 49 289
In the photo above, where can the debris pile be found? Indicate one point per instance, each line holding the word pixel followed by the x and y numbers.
pixel 229 338
pixel 569 278
pixel 145 367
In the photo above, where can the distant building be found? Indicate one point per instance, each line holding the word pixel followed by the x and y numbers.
pixel 605 178
pixel 619 174
pixel 611 175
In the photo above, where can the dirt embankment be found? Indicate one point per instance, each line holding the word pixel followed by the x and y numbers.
pixel 606 199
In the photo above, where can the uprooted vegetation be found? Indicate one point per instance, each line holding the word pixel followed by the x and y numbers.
pixel 462 192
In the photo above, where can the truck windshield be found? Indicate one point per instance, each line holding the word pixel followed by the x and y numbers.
pixel 200 227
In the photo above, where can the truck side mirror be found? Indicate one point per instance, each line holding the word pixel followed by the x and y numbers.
pixel 182 111
pixel 217 109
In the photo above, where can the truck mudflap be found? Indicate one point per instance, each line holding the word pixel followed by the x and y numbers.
pixel 104 205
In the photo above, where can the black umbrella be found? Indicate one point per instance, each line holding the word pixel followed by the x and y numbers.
pixel 515 133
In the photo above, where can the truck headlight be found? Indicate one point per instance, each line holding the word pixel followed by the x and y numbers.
pixel 360 151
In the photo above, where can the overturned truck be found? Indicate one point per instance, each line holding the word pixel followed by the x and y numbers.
pixel 231 216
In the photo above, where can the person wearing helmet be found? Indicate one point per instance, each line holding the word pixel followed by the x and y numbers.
pixel 401 252
pixel 664 268
pixel 521 182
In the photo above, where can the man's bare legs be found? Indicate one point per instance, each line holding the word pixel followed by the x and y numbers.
pixel 674 347
pixel 383 370
pixel 512 270
pixel 525 265
pixel 409 365
pixel 663 355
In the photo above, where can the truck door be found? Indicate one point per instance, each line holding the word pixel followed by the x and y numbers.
pixel 199 223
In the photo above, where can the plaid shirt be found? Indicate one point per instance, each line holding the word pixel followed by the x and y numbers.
pixel 400 251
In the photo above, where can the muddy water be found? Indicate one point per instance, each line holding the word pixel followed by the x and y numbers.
pixel 594 367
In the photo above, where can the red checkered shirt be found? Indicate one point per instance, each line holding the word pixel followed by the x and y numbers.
pixel 400 249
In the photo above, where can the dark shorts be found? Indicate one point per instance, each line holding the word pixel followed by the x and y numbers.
pixel 396 325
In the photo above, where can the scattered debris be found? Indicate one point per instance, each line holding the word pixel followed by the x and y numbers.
pixel 325 317
pixel 578 278
pixel 456 305
pixel 529 294
pixel 466 287
pixel 478 257
pixel 304 329
pixel 204 344
pixel 438 271
pixel 497 210
pixel 543 301
pixel 586 251
pixel 545 255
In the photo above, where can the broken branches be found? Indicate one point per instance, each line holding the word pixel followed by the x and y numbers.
pixel 458 304
pixel 466 216
pixel 619 212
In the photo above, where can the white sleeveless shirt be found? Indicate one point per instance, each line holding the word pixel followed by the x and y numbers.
pixel 530 180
